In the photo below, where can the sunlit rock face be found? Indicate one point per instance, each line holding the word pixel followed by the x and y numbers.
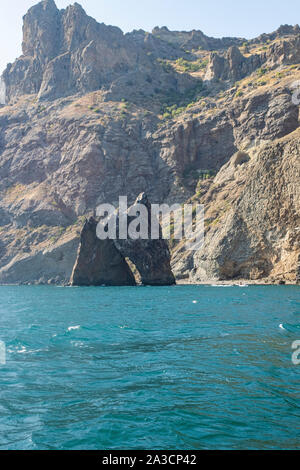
pixel 92 114
pixel 66 52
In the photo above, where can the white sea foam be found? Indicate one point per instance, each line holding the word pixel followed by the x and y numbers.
pixel 71 328
pixel 24 350
pixel 221 285
pixel 77 344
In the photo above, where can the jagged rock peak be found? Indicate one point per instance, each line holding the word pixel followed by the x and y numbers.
pixel 40 30
pixel 76 7
pixel 76 14
pixel 157 29
pixel 234 53
pixel 48 31
pixel 45 5
pixel 288 29
pixel 282 31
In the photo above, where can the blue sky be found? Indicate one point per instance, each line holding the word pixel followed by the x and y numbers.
pixel 214 17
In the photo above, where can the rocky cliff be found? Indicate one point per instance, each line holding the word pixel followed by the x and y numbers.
pixel 66 51
pixel 252 218
pixel 108 262
pixel 91 113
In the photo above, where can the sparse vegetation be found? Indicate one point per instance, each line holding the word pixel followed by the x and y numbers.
pixel 41 109
pixel 188 66
pixel 165 65
pixel 262 71
pixel 198 174
pixel 179 103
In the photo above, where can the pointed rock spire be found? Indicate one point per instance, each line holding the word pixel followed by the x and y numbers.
pixel 41 30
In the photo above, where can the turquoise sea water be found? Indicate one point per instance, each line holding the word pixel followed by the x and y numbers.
pixel 186 367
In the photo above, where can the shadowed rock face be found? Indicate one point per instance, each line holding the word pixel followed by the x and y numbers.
pixel 103 261
pixel 99 262
pixel 151 257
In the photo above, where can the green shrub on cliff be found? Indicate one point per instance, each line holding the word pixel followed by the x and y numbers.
pixel 188 66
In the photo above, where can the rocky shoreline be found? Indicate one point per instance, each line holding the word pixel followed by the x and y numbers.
pixel 239 283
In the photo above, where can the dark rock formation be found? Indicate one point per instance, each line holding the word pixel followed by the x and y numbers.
pixel 99 262
pixel 232 65
pixel 151 257
pixel 103 261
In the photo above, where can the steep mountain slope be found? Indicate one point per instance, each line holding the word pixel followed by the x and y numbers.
pixel 252 218
pixel 92 114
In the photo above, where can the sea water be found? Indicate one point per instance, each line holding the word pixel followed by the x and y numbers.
pixel 186 367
